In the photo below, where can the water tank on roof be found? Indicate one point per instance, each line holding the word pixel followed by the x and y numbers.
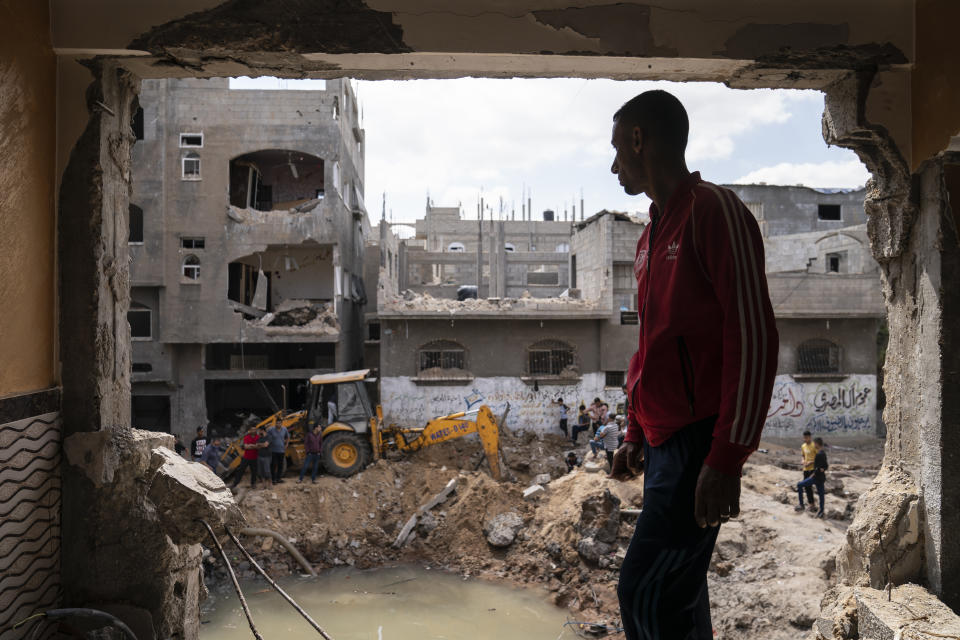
pixel 548 215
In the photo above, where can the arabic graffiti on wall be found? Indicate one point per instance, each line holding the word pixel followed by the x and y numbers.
pixel 407 403
pixel 845 405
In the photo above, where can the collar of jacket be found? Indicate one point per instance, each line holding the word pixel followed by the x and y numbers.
pixel 688 183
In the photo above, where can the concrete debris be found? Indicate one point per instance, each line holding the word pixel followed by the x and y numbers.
pixel 404 537
pixel 502 530
pixel 592 467
pixel 411 300
pixel 185 492
pixel 533 492
pixel 542 479
pixel 600 517
pixel 593 550
pixel 299 316
pixel 862 613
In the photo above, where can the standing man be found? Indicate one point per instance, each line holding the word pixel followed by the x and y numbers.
pixel 263 455
pixel 313 444
pixel 251 445
pixel 583 424
pixel 817 478
pixel 564 410
pixel 808 453
pixel 278 437
pixel 609 437
pixel 197 445
pixel 701 379
pixel 211 454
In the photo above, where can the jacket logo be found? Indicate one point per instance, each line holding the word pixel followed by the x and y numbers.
pixel 672 249
pixel 640 263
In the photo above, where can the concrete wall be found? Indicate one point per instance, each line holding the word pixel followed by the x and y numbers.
pixel 407 403
pixel 857 338
pixel 27 152
pixel 823 407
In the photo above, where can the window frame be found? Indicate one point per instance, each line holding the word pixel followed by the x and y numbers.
pixel 553 348
pixel 193 239
pixel 131 209
pixel 806 353
pixel 188 134
pixel 183 269
pixel 136 307
pixel 822 206
pixel 442 349
pixel 193 157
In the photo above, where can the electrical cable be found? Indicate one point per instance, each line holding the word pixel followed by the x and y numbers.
pixel 273 584
pixel 233 578
pixel 54 615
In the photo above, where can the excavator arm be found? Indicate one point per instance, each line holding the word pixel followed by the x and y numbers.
pixel 446 428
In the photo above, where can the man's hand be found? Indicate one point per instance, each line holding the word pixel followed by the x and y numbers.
pixel 717 497
pixel 627 462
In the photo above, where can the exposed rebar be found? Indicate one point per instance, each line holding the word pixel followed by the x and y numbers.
pixel 273 584
pixel 233 578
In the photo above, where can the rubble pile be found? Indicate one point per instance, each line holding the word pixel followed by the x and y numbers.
pixel 411 300
pixel 300 316
pixel 564 532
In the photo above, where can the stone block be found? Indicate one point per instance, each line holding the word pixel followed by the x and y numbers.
pixel 501 530
pixel 911 612
pixel 542 478
pixel 533 492
pixel 186 492
pixel 592 467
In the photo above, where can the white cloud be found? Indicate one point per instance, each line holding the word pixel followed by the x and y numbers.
pixel 848 174
pixel 452 137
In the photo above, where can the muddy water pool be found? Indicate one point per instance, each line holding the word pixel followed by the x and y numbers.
pixel 401 603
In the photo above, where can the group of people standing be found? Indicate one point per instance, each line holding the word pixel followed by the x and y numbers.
pixel 607 428
pixel 264 453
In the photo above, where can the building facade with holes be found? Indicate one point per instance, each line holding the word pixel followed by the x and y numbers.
pixel 247 234
pixel 824 285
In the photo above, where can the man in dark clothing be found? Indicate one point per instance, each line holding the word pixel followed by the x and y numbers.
pixel 197 445
pixel 313 443
pixel 583 424
pixel 278 437
pixel 699 385
pixel 251 445
pixel 572 461
pixel 211 454
pixel 817 478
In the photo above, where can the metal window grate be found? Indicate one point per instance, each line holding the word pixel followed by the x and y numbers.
pixel 442 354
pixel 614 379
pixel 818 356
pixel 549 358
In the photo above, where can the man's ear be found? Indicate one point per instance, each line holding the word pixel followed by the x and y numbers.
pixel 636 139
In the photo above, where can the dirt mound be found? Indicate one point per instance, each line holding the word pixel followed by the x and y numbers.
pixel 768 573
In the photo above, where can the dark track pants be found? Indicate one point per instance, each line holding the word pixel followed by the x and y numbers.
pixel 807 474
pixel 244 465
pixel 663 580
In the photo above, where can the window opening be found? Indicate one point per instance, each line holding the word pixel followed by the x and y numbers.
pixel 192 243
pixel 828 211
pixel 442 354
pixel 629 317
pixel 550 358
pixel 191 167
pixel 191 140
pixel 139 317
pixel 191 267
pixel 373 331
pixel 135 225
pixel 614 379
pixel 818 356
pixel 833 263
pixel 509 247
pixel 142 367
pixel 136 123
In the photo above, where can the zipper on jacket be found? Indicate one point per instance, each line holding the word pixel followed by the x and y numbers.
pixel 686 369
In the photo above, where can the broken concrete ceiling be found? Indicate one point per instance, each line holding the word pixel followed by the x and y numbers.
pixel 713 40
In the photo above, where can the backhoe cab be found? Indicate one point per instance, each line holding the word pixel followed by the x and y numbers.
pixel 353 430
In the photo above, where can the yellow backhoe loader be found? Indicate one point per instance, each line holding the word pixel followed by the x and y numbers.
pixel 354 433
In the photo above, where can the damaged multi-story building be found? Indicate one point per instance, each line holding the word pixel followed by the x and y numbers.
pixel 561 322
pixel 246 235
pixel 80 523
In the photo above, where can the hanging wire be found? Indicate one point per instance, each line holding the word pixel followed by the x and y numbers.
pixel 273 584
pixel 233 578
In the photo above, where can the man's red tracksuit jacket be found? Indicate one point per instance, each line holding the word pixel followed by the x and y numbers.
pixel 708 338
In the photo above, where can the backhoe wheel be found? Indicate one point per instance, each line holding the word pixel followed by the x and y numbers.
pixel 345 453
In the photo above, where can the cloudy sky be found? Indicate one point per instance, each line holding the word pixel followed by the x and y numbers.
pixel 452 138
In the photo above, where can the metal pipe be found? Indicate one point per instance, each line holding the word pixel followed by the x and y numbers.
pixel 273 584
pixel 257 531
pixel 233 578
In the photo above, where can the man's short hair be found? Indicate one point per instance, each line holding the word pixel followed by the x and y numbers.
pixel 806 433
pixel 659 113
pixel 818 441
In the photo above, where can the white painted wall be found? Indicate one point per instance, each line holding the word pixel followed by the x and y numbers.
pixel 845 406
pixel 407 403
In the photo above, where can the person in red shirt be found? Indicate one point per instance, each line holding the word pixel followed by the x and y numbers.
pixel 699 385
pixel 251 446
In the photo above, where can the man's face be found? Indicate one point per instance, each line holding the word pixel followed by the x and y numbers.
pixel 628 163
pixel 806 439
